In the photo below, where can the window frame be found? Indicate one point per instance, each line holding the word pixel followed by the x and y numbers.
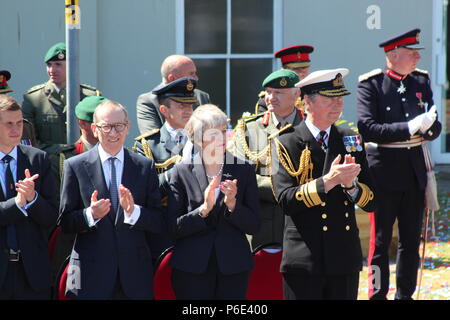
pixel 228 56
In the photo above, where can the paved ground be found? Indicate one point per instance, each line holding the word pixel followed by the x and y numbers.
pixel 436 273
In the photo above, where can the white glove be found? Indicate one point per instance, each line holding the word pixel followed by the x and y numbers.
pixel 423 121
pixel 429 119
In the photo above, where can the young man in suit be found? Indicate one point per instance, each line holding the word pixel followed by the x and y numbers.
pixel 174 67
pixel 109 199
pixel 319 173
pixel 27 210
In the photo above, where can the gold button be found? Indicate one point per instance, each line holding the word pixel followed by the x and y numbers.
pixel 323 204
pixel 325 228
pixel 346 202
pixel 347 228
pixel 324 216
pixel 346 214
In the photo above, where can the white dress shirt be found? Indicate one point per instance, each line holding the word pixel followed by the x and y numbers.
pixel 13 167
pixel 119 162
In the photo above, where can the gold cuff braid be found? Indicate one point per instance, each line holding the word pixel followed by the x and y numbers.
pixel 308 194
pixel 366 195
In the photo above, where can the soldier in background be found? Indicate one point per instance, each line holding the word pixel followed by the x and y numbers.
pixel 295 58
pixel 251 140
pixel 44 105
pixel 28 135
pixel 167 145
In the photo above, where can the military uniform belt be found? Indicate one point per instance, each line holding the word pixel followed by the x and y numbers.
pixel 415 141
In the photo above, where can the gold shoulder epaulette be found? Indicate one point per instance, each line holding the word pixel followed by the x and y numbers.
pixel 252 117
pixel 262 94
pixel 146 134
pixel 421 71
pixel 36 88
pixel 369 74
pixel 86 86
pixel 273 135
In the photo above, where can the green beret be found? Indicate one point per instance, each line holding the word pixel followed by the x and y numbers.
pixel 86 107
pixel 56 52
pixel 281 79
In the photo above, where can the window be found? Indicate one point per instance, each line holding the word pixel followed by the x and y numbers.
pixel 232 43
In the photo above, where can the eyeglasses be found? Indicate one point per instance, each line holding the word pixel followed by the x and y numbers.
pixel 106 128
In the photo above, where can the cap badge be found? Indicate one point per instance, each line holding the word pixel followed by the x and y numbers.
pixel 283 82
pixel 338 81
pixel 418 37
pixel 61 56
pixel 1 78
pixel 190 86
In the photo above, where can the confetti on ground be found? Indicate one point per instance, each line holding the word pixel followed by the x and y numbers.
pixel 436 272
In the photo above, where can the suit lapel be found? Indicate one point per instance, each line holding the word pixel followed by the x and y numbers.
pixel 22 164
pixel 94 170
pixel 199 172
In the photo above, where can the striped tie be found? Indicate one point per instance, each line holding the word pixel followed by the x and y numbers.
pixel 113 188
pixel 321 138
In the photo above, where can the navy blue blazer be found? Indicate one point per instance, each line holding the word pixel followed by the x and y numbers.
pixel 32 231
pixel 196 237
pixel 103 251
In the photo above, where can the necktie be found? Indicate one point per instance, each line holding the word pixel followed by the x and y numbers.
pixel 113 187
pixel 323 135
pixel 11 237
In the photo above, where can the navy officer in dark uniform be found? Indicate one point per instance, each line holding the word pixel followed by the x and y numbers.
pixel 319 173
pixel 166 145
pixel 295 58
pixel 396 114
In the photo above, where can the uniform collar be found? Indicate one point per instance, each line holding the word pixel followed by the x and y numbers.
pixel 174 132
pixel 287 120
pixel 394 75
pixel 314 130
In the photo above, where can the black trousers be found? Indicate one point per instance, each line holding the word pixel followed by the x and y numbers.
pixel 320 287
pixel 407 208
pixel 211 285
pixel 17 287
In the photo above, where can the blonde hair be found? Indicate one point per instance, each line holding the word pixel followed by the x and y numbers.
pixel 204 117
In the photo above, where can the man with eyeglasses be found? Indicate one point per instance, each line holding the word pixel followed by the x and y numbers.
pixel 84 111
pixel 167 145
pixel 110 199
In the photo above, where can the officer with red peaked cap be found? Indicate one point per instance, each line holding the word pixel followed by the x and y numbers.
pixel 295 58
pixel 397 115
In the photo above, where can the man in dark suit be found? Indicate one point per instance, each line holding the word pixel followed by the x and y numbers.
pixel 167 145
pixel 27 211
pixel 396 114
pixel 319 173
pixel 175 66
pixel 110 198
